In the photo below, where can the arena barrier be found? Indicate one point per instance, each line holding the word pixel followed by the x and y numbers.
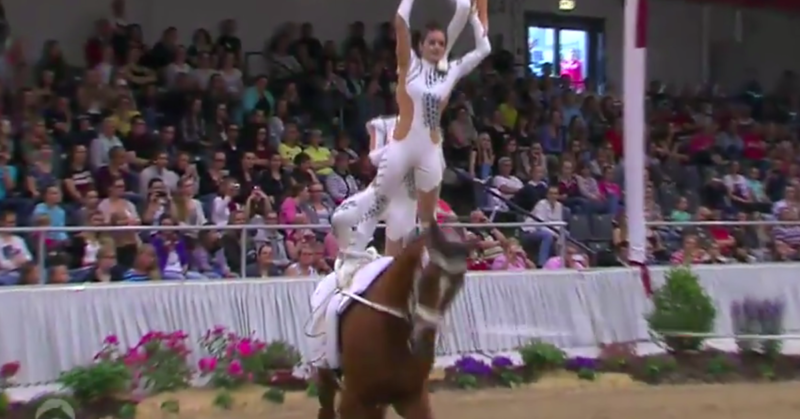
pixel 52 328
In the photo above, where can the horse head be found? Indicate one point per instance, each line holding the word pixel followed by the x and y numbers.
pixel 437 283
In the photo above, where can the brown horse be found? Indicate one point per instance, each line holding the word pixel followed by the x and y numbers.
pixel 387 346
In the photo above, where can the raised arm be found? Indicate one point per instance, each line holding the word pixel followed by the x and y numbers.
pixel 454 29
pixel 403 35
pixel 480 28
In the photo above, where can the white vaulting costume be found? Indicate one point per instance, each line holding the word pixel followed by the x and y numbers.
pixel 423 91
pixel 408 161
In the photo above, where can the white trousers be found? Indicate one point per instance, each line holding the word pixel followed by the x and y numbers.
pixel 355 220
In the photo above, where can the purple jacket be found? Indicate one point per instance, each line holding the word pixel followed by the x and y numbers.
pixel 163 252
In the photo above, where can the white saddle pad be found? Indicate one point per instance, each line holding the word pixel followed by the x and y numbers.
pixel 364 278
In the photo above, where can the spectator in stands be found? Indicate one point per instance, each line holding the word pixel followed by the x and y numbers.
pixel 172 250
pixel 546 210
pixel 100 151
pixel 106 268
pixel 513 258
pixel 231 243
pixel 117 203
pixel 318 209
pixel 340 184
pixel 14 253
pixel 264 266
pixel 208 257
pixel 51 214
pixel 158 170
pixel 58 271
pixel 85 246
pixel 481 159
pixel 186 210
pixel 224 203
pixel 157 204
pixel 305 265
pixel 127 242
pixel 574 260
pixel 691 253
pixel 144 267
pixel 489 241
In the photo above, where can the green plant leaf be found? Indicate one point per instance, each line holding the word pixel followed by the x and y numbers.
pixel 274 395
pixel 466 381
pixel 127 411
pixel 719 366
pixel 539 357
pixel 171 406
pixel 682 304
pixel 587 374
pixel 510 378
pixel 312 390
pixel 767 372
pixel 223 400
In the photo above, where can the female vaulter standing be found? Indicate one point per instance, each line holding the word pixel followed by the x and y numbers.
pixel 422 93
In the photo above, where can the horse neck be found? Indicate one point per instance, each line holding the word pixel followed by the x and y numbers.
pixel 395 286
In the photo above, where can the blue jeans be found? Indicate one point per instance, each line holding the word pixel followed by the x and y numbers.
pixel 9 278
pixel 613 203
pixel 189 275
pixel 545 239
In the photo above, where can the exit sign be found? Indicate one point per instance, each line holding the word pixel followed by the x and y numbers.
pixel 566 5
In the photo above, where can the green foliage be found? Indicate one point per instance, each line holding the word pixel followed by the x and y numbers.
pixel 509 378
pixel 163 366
pixel 719 366
pixel 657 367
pixel 234 360
pixel 99 380
pixel 466 381
pixel 539 357
pixel 587 374
pixel 4 403
pixel 280 355
pixel 171 406
pixel 767 372
pixel 223 400
pixel 682 305
pixel 127 411
pixel 312 390
pixel 274 395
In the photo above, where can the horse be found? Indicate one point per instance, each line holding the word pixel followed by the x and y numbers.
pixel 388 334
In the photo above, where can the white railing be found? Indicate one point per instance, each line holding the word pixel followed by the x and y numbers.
pixel 765 223
pixel 41 247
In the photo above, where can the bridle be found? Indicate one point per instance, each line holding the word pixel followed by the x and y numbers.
pixel 431 317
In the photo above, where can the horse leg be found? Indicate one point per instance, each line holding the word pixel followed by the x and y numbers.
pixel 327 386
pixel 417 407
pixel 351 407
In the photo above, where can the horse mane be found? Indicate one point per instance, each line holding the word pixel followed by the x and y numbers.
pixel 402 271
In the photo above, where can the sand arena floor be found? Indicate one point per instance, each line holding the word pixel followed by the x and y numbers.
pixel 554 400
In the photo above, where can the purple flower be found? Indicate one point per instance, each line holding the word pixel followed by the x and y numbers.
pixel 502 362
pixel 581 363
pixel 471 366
pixel 751 307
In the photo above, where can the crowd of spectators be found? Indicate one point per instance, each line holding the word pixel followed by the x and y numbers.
pixel 165 134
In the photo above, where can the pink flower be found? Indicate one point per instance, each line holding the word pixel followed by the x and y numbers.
pixel 244 348
pixel 111 340
pixel 133 357
pixel 9 369
pixel 207 365
pixel 218 330
pixel 259 346
pixel 235 368
pixel 179 335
